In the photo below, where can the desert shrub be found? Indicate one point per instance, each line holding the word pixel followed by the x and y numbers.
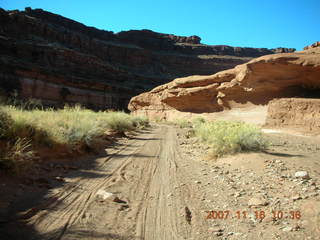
pixel 182 123
pixel 158 119
pixel 198 121
pixel 73 127
pixel 140 121
pixel 32 103
pixel 5 123
pixel 119 121
pixel 23 125
pixel 70 126
pixel 17 157
pixel 228 137
pixel 13 99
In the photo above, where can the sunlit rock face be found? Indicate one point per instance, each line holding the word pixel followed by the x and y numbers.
pixel 302 114
pixel 58 60
pixel 247 85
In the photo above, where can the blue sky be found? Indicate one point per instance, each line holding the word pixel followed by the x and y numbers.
pixel 244 23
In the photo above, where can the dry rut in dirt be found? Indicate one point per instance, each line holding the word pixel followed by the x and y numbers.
pixel 142 174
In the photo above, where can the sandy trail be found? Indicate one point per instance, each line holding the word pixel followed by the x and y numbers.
pixel 160 172
pixel 143 173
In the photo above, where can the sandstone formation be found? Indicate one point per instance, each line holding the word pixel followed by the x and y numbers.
pixel 246 86
pixel 314 45
pixel 301 114
pixel 58 60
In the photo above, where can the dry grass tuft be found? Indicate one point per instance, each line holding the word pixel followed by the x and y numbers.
pixel 72 126
pixel 230 137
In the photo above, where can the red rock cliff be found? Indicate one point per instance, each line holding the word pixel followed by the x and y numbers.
pixel 59 60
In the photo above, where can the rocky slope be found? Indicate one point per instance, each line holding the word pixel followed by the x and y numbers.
pixel 58 60
pixel 247 85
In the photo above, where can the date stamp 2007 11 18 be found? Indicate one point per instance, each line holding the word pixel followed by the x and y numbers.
pixel 227 214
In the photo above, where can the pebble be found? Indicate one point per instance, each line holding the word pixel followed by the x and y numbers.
pixel 104 194
pixel 313 188
pixel 296 197
pixel 287 229
pixel 257 202
pixel 237 194
pixel 216 230
pixel 238 234
pixel 60 179
pixel 302 174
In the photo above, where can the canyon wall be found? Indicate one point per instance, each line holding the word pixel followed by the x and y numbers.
pixel 58 60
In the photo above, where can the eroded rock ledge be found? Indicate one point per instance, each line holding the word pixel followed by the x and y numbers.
pixel 251 84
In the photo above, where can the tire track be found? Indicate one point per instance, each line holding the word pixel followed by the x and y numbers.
pixel 72 201
pixel 145 172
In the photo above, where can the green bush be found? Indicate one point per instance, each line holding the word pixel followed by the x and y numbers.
pixel 182 123
pixel 198 121
pixel 227 137
pixel 119 122
pixel 140 122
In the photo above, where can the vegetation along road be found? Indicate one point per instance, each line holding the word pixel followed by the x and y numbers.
pixel 159 184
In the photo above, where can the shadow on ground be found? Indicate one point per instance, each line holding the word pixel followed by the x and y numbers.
pixel 28 195
pixel 278 154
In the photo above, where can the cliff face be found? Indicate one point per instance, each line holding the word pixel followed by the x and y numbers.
pixel 58 60
pixel 245 86
pixel 302 114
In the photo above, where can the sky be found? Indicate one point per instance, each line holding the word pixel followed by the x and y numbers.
pixel 241 23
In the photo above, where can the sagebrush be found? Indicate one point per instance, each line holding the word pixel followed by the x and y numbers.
pixel 229 137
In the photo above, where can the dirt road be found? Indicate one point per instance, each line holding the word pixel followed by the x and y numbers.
pixel 162 189
pixel 142 173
